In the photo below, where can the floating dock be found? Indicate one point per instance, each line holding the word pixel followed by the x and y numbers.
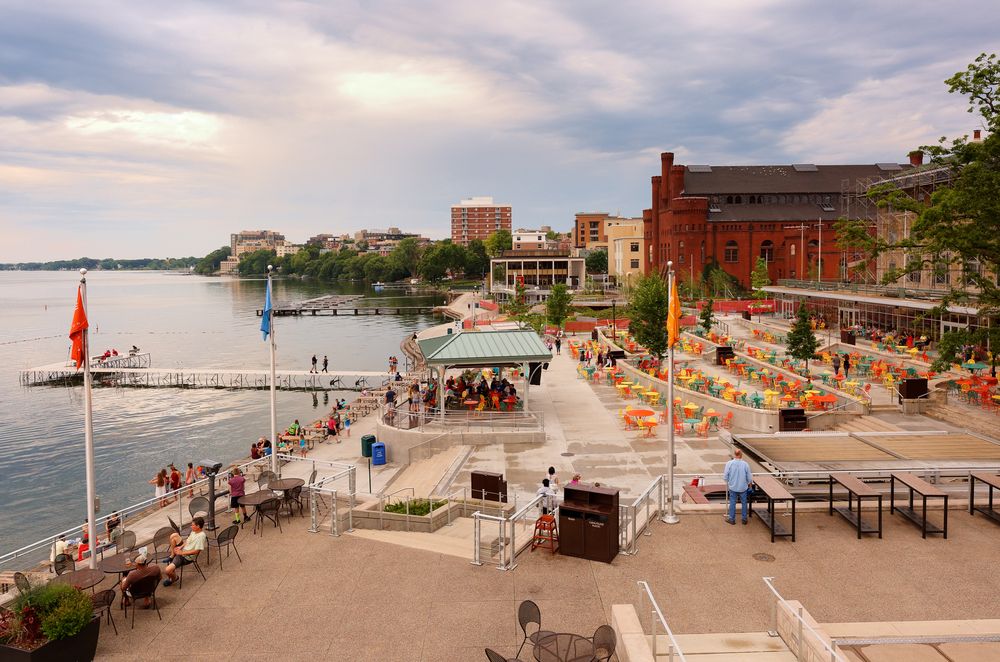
pixel 341 304
pixel 135 371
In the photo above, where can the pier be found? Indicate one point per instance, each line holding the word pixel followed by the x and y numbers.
pixel 339 304
pixel 63 374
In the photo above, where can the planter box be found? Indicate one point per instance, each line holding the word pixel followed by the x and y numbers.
pixel 81 648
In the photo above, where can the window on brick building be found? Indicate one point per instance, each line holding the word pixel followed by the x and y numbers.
pixel 729 199
pixel 634 246
pixel 767 250
pixel 680 252
pixel 732 252
pixel 739 199
pixel 634 264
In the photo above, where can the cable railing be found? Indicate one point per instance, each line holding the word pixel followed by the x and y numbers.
pixel 635 518
pixel 802 627
pixel 507 547
pixel 403 418
pixel 656 621
pixel 382 498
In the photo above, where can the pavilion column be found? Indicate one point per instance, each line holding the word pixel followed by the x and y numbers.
pixel 525 367
pixel 441 392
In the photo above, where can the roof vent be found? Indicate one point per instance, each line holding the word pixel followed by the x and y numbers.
pixel 714 208
pixel 888 166
pixel 804 167
pixel 699 168
pixel 826 206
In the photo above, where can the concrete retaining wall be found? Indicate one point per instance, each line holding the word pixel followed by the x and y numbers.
pixel 399 442
pixel 633 643
pixel 371 519
pixel 809 649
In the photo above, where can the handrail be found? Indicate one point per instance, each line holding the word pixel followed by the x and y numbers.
pixel 381 504
pixel 512 520
pixel 477 518
pixel 674 647
pixel 135 509
pixel 465 505
pixel 834 655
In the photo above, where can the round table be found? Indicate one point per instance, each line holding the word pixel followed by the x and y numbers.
pixel 82 579
pixel 639 413
pixel 118 564
pixel 564 647
pixel 286 483
pixel 256 498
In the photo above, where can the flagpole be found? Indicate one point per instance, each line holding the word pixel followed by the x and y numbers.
pixel 88 434
pixel 671 516
pixel 274 411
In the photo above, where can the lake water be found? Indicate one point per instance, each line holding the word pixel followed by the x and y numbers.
pixel 181 320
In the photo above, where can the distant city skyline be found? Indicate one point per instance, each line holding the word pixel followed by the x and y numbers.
pixel 140 130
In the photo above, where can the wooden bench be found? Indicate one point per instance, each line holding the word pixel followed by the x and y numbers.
pixel 925 490
pixel 992 482
pixel 859 491
pixel 775 493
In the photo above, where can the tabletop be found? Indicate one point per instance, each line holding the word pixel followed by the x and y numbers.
pixel 257 498
pixel 286 483
pixel 82 579
pixel 564 647
pixel 119 563
pixel 641 413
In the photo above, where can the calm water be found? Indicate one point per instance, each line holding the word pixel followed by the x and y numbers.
pixel 181 320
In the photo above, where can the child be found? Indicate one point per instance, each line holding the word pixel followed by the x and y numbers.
pixel 347 425
pixel 302 444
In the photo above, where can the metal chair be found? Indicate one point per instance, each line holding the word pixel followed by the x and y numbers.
pixel 125 542
pixel 265 478
pixel 161 541
pixel 145 588
pixel 604 640
pixel 227 539
pixel 528 613
pixel 64 563
pixel 494 656
pixel 103 602
pixel 268 509
pixel 291 496
pixel 22 583
pixel 194 562
pixel 198 506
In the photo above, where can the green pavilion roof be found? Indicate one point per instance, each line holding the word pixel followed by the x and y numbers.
pixel 484 348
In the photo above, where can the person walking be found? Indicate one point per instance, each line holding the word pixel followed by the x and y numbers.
pixel 847 366
pixel 326 363
pixel 558 345
pixel 189 478
pixel 738 478
pixel 313 369
pixel 237 489
pixel 836 364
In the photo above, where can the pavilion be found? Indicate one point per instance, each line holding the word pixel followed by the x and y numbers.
pixel 489 349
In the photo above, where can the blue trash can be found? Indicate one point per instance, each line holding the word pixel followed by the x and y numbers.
pixel 378 453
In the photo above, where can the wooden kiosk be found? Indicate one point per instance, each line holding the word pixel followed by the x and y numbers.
pixel 588 522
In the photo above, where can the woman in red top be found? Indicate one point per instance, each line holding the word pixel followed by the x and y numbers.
pixel 175 479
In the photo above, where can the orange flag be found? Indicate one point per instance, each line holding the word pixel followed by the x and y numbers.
pixel 673 317
pixel 76 330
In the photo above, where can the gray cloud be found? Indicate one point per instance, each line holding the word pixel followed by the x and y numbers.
pixel 172 124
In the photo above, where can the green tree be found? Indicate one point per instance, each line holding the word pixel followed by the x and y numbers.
pixel 597 262
pixel 255 263
pixel 707 319
pixel 552 235
pixel 801 340
pixel 518 307
pixel 648 313
pixel 210 263
pixel 759 279
pixel 498 242
pixel 406 255
pixel 557 305
pixel 477 259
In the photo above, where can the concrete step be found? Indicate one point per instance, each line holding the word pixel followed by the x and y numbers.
pixel 728 647
pixel 456 540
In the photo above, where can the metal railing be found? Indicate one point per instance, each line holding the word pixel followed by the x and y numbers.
pixel 382 498
pixel 656 616
pixel 477 524
pixel 507 550
pixel 404 419
pixel 448 499
pixel 802 628
pixel 36 552
pixel 513 520
pixel 320 488
pixel 426 449
pixel 634 519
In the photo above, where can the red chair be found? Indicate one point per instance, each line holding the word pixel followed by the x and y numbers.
pixel 727 421
pixel 546 534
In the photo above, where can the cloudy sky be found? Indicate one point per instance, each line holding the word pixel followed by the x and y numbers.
pixel 141 128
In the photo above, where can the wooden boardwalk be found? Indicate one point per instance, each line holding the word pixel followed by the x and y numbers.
pixel 339 304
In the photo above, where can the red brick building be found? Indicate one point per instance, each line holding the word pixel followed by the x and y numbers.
pixel 478 218
pixel 730 215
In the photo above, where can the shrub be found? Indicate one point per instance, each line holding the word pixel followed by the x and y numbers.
pixel 69 617
pixel 48 612
pixel 419 507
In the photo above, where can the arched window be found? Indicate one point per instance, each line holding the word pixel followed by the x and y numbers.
pixel 732 252
pixel 739 199
pixel 791 250
pixel 729 199
pixel 767 250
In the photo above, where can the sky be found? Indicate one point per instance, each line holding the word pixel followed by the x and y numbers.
pixel 154 129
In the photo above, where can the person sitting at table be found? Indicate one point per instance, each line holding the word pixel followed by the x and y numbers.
pixel 142 571
pixel 111 526
pixel 185 553
pixel 294 428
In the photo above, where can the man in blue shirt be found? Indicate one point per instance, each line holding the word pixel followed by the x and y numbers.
pixel 738 478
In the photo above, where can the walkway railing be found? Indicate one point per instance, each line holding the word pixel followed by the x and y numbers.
pixel 402 418
pixel 635 518
pixel 802 628
pixel 131 515
pixel 656 621
pixel 507 549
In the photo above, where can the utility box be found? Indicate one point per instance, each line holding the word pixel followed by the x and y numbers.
pixel 378 453
pixel 489 486
pixel 792 419
pixel 722 353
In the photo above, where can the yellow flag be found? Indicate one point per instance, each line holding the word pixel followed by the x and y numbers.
pixel 673 317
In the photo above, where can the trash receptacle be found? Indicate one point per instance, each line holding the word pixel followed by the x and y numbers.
pixel 378 453
pixel 366 445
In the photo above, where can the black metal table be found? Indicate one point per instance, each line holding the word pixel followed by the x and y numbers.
pixel 118 564
pixel 856 490
pixel 925 490
pixel 775 493
pixel 82 579
pixel 564 647
pixel 992 481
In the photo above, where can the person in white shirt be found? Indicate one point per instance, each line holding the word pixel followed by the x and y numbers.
pixel 548 502
pixel 58 547
pixel 553 478
pixel 195 544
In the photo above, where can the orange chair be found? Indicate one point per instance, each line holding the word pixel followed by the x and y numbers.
pixel 702 428
pixel 678 426
pixel 546 534
pixel 727 421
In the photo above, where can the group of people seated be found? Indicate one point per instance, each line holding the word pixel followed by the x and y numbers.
pixel 487 391
pixel 893 336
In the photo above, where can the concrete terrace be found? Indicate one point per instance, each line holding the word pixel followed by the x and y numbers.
pixel 303 596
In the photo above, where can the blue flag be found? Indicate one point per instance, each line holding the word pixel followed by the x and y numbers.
pixel 265 321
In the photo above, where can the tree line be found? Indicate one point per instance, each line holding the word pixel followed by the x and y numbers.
pixel 109 263
pixel 409 259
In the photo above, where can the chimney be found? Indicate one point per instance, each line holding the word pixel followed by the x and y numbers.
pixel 916 158
pixel 977 135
